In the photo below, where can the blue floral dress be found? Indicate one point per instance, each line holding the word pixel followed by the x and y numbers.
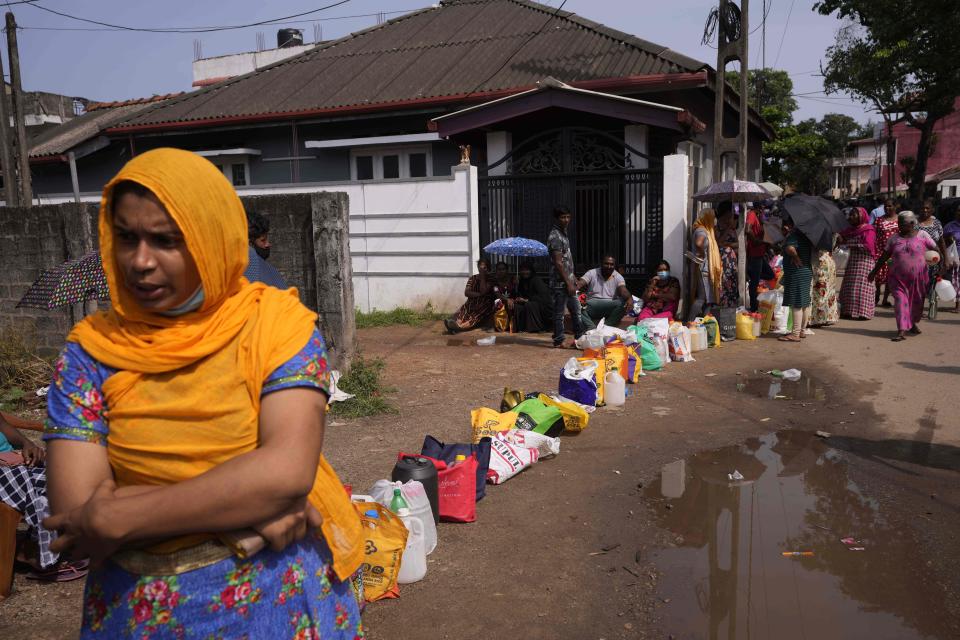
pixel 291 594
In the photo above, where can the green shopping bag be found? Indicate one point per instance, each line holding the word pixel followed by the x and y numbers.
pixel 539 418
pixel 648 352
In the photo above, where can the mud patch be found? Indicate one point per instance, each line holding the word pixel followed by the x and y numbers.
pixel 774 540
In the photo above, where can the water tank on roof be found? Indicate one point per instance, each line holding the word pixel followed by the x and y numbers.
pixel 289 38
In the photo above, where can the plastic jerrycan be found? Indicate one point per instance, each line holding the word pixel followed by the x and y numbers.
pixel 420 469
pixel 615 389
pixel 413 565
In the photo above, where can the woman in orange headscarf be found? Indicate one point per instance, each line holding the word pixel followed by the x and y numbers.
pixel 187 421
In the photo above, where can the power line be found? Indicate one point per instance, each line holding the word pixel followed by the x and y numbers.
pixel 784 34
pixel 517 50
pixel 185 29
pixel 326 19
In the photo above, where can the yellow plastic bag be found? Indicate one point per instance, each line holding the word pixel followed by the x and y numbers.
pixel 501 319
pixel 745 326
pixel 385 538
pixel 486 423
pixel 574 417
pixel 601 374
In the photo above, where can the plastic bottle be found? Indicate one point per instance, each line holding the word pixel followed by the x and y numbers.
pixel 398 502
pixel 413 565
pixel 757 322
pixel 615 389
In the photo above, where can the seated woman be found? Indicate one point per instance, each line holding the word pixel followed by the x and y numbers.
pixel 186 427
pixel 23 487
pixel 662 296
pixel 504 291
pixel 477 311
pixel 533 306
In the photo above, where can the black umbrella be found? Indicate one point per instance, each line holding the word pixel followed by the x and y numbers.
pixel 817 218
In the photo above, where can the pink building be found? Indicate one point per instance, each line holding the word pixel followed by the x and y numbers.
pixel 946 148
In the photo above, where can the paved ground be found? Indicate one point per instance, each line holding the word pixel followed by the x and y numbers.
pixel 571 547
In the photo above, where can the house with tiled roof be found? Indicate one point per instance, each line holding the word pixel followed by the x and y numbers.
pixel 553 107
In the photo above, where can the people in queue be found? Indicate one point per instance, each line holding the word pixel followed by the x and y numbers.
pixel 825 304
pixel 951 237
pixel 797 277
pixel 533 305
pixel 929 224
pixel 757 266
pixel 607 295
pixel 908 277
pixel 726 232
pixel 858 292
pixel 478 310
pixel 661 298
pixel 563 281
pixel 709 268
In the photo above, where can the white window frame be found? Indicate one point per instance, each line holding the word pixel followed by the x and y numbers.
pixel 378 153
pixel 226 167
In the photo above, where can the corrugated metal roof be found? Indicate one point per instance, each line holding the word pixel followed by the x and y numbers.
pixel 454 49
pixel 68 135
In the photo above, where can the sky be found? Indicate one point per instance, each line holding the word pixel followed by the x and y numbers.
pixel 103 64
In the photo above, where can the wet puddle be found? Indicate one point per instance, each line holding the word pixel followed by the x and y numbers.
pixel 774 540
pixel 764 385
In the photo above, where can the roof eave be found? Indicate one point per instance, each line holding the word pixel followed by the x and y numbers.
pixel 662 80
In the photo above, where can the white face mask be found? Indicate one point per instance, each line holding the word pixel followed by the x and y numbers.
pixel 663 274
pixel 192 304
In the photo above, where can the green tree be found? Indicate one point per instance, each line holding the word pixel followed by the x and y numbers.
pixel 900 56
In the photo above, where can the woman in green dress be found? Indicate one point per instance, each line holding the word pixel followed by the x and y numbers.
pixel 797 278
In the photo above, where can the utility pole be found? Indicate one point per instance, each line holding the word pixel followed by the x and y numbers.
pixel 733 45
pixel 11 191
pixel 19 117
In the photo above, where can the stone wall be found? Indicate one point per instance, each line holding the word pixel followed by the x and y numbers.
pixel 39 238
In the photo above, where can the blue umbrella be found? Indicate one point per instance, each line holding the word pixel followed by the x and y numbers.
pixel 523 247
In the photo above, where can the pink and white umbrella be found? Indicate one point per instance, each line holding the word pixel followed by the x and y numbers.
pixel 733 190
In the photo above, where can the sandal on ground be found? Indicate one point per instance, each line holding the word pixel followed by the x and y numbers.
pixel 65 571
pixel 789 338
pixel 914 331
pixel 898 338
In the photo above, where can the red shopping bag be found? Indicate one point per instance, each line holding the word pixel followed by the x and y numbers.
pixel 456 489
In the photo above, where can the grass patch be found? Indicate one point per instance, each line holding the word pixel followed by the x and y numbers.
pixel 365 382
pixel 21 370
pixel 401 316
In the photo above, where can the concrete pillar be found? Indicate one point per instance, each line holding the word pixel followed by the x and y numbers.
pixel 499 144
pixel 334 273
pixel 469 175
pixel 675 205
pixel 637 136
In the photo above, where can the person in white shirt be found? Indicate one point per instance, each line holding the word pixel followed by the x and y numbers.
pixel 607 295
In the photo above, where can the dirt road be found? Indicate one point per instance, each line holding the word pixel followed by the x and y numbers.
pixel 591 545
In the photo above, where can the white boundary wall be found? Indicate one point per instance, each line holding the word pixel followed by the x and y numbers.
pixel 676 203
pixel 412 241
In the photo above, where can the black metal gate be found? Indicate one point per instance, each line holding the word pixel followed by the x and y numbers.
pixel 617 209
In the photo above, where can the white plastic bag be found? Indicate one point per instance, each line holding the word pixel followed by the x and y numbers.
pixel 679 343
pixel 791 374
pixel 953 258
pixel 840 256
pixel 590 341
pixel 417 500
pixel 658 332
pixel 946 292
pixel 779 324
pixel 507 459
pixel 607 332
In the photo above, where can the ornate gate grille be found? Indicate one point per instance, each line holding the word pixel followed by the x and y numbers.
pixel 617 209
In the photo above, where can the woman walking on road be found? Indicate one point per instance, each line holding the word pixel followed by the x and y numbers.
pixel 186 426
pixel 797 276
pixel 929 224
pixel 886 226
pixel 858 293
pixel 908 278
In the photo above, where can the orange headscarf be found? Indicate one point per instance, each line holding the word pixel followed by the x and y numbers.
pixel 186 396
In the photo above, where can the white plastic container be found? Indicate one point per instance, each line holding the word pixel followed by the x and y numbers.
pixel 615 389
pixel 413 566
pixel 757 326
pixel 417 501
pixel 945 291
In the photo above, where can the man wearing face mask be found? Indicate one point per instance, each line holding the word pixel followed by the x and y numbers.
pixel 607 295
pixel 258 269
